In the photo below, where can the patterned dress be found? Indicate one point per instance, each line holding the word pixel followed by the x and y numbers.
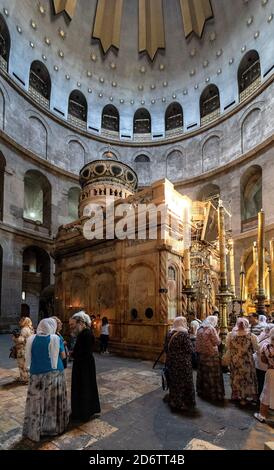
pixel 210 384
pixel 242 367
pixel 181 387
pixel 20 344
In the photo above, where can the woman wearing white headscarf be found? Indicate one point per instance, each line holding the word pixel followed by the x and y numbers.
pixel 241 345
pixel 178 349
pixel 261 367
pixel 84 393
pixel 46 412
pixel 210 384
pixel 267 395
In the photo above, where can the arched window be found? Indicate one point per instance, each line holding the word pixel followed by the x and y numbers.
pixel 174 116
pixel 39 81
pixel 1 270
pixel 2 173
pixel 249 74
pixel 37 198
pixel 73 203
pixel 142 122
pixel 110 118
pixel 35 278
pixel 4 44
pixel 171 273
pixel 142 159
pixel 77 107
pixel 251 196
pixel 209 104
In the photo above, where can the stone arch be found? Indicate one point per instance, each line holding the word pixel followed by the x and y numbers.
pixel 211 151
pixel 251 129
pixel 77 105
pixel 76 155
pixel 103 293
pixel 251 193
pixel 5 43
pixel 1 271
pixel 78 293
pixel 73 203
pixel 110 118
pixel 209 103
pixel 142 121
pixel 174 117
pixel 38 137
pixel 175 164
pixel 249 71
pixel 37 198
pixel 39 79
pixel 142 166
pixel 35 278
pixel 141 289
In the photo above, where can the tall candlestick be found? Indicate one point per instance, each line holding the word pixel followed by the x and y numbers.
pixel 187 267
pixel 231 266
pixel 224 295
pixel 222 247
pixel 261 262
pixel 242 288
pixel 255 260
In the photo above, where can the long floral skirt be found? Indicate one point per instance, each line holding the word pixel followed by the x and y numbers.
pixel 210 384
pixel 46 412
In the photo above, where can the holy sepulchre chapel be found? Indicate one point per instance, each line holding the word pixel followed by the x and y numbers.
pixel 136 225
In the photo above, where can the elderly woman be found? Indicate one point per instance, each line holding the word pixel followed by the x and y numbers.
pixel 210 383
pixel 267 395
pixel 261 367
pixel 241 344
pixel 20 341
pixel 178 349
pixel 84 393
pixel 46 412
pixel 194 326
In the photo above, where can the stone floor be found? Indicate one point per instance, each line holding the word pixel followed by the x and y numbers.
pixel 134 415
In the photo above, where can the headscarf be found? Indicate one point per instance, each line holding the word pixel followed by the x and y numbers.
pixel 210 322
pixel 179 324
pixel 242 327
pixel 262 320
pixel 46 327
pixel 83 317
pixel 194 326
pixel 266 333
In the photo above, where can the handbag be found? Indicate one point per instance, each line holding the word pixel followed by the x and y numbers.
pixel 165 378
pixel 13 353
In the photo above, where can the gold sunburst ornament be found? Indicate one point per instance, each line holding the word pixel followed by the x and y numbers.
pixel 68 6
pixel 108 19
pixel 195 13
